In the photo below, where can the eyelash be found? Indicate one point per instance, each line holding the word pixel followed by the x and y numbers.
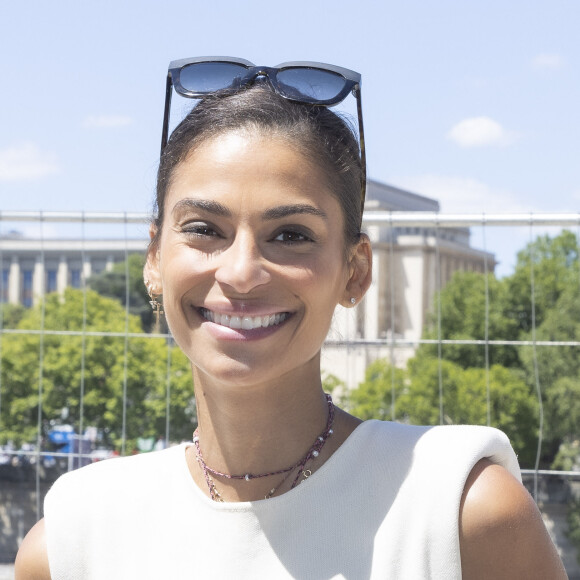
pixel 199 230
pixel 304 238
pixel 289 235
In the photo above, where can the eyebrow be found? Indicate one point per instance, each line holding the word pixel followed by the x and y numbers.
pixel 283 211
pixel 274 213
pixel 206 205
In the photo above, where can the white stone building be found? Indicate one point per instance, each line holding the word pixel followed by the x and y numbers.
pixel 30 268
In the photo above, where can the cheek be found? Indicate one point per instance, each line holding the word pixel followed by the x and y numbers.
pixel 324 283
pixel 180 273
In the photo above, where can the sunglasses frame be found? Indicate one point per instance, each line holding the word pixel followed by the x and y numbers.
pixel 352 85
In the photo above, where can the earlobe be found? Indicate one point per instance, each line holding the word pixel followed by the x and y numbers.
pixel 151 274
pixel 360 269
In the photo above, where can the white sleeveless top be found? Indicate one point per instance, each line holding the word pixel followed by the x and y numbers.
pixel 385 505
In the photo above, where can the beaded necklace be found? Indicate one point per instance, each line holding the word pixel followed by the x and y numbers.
pixel 300 465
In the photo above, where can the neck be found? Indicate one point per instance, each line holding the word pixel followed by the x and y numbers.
pixel 259 428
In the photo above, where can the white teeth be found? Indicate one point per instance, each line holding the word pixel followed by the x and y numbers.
pixel 244 322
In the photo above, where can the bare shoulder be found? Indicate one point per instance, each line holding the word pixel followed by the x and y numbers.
pixel 501 531
pixel 32 559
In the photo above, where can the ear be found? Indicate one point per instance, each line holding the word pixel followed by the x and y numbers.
pixel 151 271
pixel 360 272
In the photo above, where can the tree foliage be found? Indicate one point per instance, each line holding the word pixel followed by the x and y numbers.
pixel 555 269
pixel 332 385
pixel 373 399
pixel 125 282
pixel 474 396
pixel 463 307
pixel 11 315
pixel 456 389
pixel 542 293
pixel 557 369
pixel 462 400
pixel 84 363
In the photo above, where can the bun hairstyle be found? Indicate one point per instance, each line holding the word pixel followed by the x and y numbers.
pixel 320 134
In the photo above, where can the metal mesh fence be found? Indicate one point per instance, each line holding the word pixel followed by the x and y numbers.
pixel 53 361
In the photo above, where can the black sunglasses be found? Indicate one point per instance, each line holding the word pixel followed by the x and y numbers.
pixel 313 83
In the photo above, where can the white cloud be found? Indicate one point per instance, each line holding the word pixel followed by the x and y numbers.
pixel 106 121
pixel 26 162
pixel 480 132
pixel 547 62
pixel 462 194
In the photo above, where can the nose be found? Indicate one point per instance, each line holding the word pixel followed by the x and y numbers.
pixel 242 266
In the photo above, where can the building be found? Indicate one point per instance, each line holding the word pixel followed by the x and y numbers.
pixel 409 265
pixel 31 267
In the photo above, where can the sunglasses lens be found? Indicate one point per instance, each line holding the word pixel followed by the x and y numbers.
pixel 310 84
pixel 209 77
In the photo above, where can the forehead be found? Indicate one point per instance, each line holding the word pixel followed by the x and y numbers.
pixel 250 168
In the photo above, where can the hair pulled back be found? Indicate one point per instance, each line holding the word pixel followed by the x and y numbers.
pixel 323 136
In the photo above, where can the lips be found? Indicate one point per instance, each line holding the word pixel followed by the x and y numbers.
pixel 244 322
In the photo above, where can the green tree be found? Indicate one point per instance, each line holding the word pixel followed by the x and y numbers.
pixel 558 370
pixel 568 456
pixel 464 400
pixel 102 363
pixel 125 276
pixel 560 323
pixel 552 262
pixel 463 308
pixel 555 268
pixel 463 303
pixel 332 385
pixel 373 398
pixel 11 315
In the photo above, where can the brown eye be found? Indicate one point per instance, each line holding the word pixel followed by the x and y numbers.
pixel 292 237
pixel 199 230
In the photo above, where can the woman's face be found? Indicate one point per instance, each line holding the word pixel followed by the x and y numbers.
pixel 251 258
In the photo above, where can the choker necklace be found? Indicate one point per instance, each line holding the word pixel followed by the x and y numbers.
pixel 300 465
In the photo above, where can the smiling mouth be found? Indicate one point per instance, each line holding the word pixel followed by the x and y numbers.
pixel 244 322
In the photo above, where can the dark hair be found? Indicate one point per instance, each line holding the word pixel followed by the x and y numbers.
pixel 321 134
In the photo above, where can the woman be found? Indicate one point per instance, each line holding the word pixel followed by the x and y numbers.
pixel 256 240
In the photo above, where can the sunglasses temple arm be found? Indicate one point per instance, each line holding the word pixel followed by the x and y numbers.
pixel 165 130
pixel 363 156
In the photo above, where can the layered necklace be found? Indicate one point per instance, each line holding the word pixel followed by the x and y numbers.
pixel 299 467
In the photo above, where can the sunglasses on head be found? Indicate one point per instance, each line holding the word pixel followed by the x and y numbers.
pixel 313 83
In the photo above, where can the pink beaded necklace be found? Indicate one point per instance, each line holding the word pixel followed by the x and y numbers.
pixel 300 465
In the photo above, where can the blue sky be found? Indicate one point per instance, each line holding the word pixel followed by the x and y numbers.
pixel 473 103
